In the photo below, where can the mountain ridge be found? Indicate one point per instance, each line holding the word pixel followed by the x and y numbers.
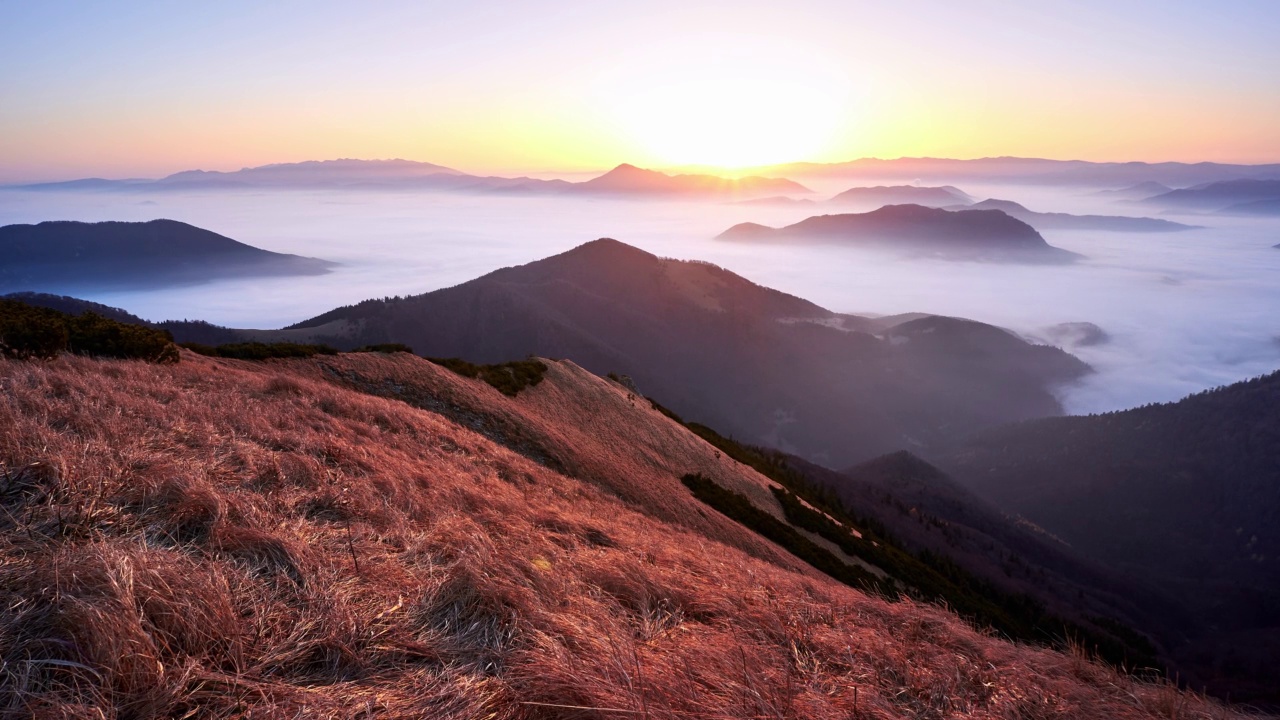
pixel 65 254
pixel 962 234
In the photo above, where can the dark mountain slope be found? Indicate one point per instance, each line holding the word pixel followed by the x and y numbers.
pixel 57 255
pixel 755 362
pixel 1183 494
pixel 913 229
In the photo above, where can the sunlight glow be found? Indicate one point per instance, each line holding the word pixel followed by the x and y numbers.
pixel 730 103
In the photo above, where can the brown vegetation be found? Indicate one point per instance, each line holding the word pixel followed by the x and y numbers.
pixel 220 538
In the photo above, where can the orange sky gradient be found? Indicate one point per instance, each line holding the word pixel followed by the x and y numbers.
pixel 507 89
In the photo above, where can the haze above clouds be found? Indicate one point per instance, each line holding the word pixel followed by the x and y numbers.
pixel 1184 311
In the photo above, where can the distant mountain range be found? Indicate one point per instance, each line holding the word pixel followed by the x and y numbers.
pixel 987 235
pixel 1135 180
pixel 1141 191
pixel 631 180
pixel 881 195
pixel 1028 170
pixel 66 255
pixel 622 181
pixel 1185 495
pixel 1261 197
pixel 1064 221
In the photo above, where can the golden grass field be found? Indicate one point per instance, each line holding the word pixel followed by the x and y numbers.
pixel 292 539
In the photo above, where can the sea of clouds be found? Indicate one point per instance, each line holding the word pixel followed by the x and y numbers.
pixel 1184 311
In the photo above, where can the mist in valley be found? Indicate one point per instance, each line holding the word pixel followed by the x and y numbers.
pixel 1182 311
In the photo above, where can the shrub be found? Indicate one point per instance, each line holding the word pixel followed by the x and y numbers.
pixel 508 378
pixel 95 335
pixel 27 331
pixel 261 351
pixel 738 508
pixel 386 348
pixel 31 332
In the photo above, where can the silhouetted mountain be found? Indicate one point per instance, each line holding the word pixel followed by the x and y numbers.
pixel 630 180
pixel 760 364
pixel 1064 221
pixel 59 255
pixel 1028 170
pixel 913 229
pixel 1185 495
pixel 1219 195
pixel 880 195
pixel 1141 191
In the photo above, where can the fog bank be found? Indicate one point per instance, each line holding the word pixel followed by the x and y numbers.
pixel 1184 311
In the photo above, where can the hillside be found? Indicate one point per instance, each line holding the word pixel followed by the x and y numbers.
pixel 1066 221
pixel 983 235
pixel 1186 495
pixel 764 366
pixel 70 255
pixel 220 537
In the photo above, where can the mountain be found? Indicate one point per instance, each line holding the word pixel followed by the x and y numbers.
pixel 74 306
pixel 1219 195
pixel 630 180
pixel 407 175
pixel 1036 171
pixel 329 537
pixel 1185 495
pixel 314 173
pixel 1064 221
pixel 780 200
pixel 1269 207
pixel 881 195
pixel 63 254
pixel 759 364
pixel 988 235
pixel 1141 191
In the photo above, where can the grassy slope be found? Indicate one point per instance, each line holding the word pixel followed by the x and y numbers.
pixel 218 537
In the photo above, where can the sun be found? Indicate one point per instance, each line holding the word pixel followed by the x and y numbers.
pixel 729 104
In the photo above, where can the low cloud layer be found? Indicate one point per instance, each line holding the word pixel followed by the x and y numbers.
pixel 1183 311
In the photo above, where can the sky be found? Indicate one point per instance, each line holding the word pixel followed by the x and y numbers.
pixel 142 89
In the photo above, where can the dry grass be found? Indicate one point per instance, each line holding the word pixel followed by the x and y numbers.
pixel 226 539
